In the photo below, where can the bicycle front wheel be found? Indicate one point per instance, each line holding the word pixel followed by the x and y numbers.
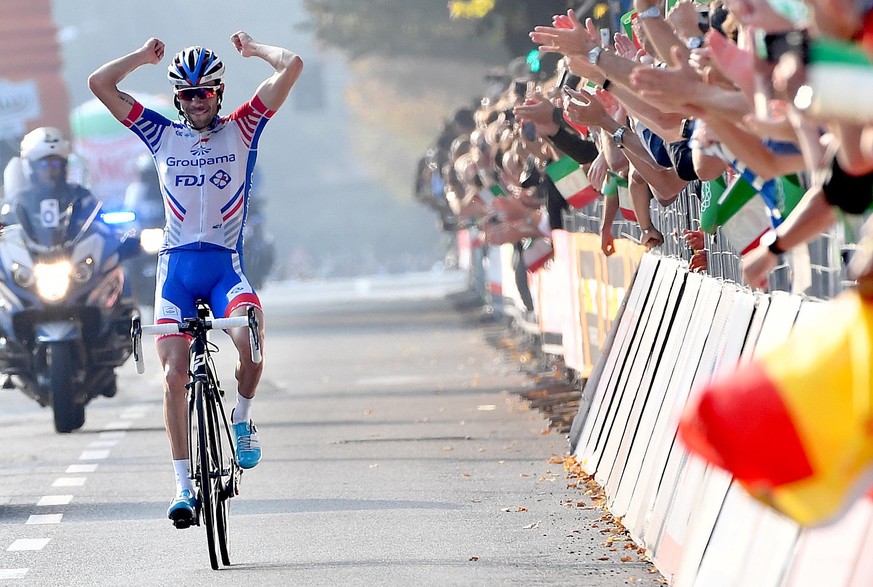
pixel 220 446
pixel 207 470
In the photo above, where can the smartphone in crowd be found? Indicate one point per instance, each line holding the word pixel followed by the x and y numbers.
pixel 520 89
pixel 529 131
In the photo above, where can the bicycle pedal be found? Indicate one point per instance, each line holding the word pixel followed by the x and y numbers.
pixel 182 522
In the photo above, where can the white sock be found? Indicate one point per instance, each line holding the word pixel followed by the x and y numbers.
pixel 241 411
pixel 183 481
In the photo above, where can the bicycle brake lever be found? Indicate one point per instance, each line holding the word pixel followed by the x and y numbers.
pixel 136 339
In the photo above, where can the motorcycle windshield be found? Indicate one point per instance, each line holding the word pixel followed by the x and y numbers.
pixel 49 224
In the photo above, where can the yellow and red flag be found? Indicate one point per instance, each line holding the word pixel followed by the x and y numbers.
pixel 794 425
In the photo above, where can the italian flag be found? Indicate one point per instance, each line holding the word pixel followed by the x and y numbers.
pixel 572 182
pixel 616 186
pixel 536 252
pixel 486 194
pixel 743 217
pixel 625 203
pixel 839 81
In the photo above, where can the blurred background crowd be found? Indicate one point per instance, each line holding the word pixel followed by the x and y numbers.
pixel 727 132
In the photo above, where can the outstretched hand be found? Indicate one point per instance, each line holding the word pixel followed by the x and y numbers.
pixel 624 47
pixel 568 36
pixel 612 106
pixel 538 110
pixel 584 109
pixel 668 87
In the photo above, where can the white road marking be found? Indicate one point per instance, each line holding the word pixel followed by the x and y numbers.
pixel 28 544
pixel 89 468
pixel 133 413
pixel 390 380
pixel 119 425
pixel 69 482
pixel 47 500
pixel 93 455
pixel 9 574
pixel 44 519
pixel 103 444
pixel 112 435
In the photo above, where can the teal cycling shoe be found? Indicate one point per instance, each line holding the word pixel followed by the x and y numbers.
pixel 183 509
pixel 248 447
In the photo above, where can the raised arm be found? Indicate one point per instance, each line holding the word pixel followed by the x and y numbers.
pixel 104 81
pixel 288 65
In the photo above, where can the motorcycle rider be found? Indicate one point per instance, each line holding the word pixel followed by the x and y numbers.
pixel 44 194
pixel 205 162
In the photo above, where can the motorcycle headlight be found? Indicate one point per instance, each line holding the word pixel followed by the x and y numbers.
pixel 151 239
pixel 53 280
pixel 22 276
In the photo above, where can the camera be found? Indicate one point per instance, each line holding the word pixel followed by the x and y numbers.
pixel 773 46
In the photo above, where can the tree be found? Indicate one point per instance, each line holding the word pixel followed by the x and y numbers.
pixel 389 28
pixel 393 27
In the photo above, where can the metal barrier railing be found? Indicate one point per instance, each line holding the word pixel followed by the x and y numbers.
pixel 825 270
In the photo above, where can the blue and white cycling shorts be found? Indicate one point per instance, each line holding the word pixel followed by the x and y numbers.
pixel 215 275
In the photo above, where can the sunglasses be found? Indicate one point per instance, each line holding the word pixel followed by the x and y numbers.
pixel 49 163
pixel 203 92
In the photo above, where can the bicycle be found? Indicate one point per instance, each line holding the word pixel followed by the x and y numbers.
pixel 214 468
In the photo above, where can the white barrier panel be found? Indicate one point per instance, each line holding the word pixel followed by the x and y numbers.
pixel 632 482
pixel 602 388
pixel 493 266
pixel 835 554
pixel 723 347
pixel 639 518
pixel 514 306
pixel 638 389
pixel 748 544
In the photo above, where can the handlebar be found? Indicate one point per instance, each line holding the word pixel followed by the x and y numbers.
pixel 250 320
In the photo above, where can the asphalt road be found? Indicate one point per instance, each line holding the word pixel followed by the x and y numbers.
pixel 396 452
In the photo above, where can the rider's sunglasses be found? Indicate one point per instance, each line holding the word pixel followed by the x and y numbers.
pixel 49 163
pixel 202 92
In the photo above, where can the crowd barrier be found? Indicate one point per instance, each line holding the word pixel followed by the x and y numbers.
pixel 644 332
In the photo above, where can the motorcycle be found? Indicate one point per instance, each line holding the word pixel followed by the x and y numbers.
pixel 65 311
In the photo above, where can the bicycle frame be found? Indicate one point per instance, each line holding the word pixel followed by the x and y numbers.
pixel 209 431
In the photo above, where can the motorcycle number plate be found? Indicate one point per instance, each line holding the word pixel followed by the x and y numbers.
pixel 49 212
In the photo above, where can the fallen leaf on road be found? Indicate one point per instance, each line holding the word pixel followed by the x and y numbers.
pixel 531 526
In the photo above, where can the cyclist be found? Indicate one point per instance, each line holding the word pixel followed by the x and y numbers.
pixel 205 163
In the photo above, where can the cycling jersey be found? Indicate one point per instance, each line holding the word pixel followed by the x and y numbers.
pixel 205 180
pixel 205 175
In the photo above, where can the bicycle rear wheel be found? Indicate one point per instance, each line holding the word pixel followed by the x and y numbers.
pixel 205 474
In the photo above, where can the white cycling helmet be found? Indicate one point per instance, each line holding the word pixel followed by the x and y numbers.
pixel 195 66
pixel 44 141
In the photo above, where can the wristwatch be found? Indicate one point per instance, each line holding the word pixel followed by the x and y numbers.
pixel 695 43
pixel 770 240
pixel 650 12
pixel 594 55
pixel 618 136
pixel 687 128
